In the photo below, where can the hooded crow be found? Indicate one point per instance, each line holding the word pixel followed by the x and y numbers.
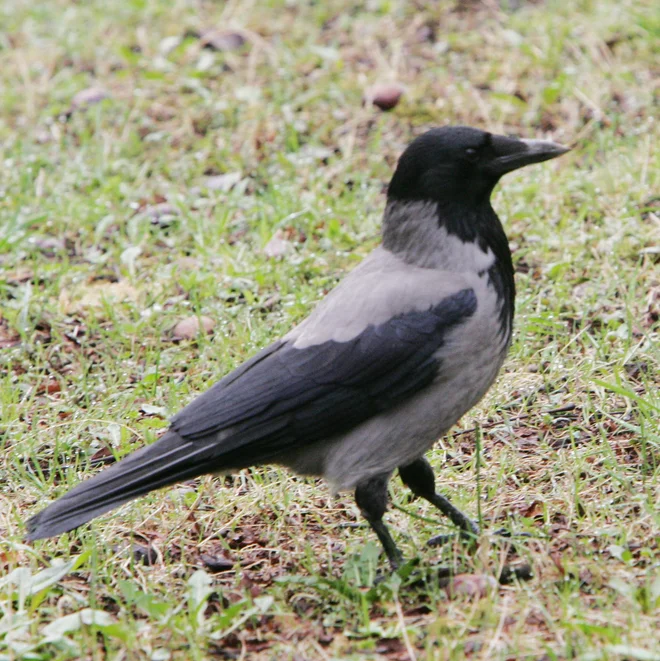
pixel 407 343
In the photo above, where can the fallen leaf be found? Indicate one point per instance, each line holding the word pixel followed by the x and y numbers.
pixel 189 328
pixel 216 562
pixel 556 558
pixel 532 510
pixel 50 387
pixel 102 457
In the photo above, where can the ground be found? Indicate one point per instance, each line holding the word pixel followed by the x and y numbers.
pixel 157 175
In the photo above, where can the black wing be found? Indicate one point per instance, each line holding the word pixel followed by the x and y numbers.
pixel 286 397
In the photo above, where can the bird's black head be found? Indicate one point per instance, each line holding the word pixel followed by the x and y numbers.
pixel 460 164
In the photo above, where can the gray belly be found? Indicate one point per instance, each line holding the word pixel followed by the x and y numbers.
pixel 405 433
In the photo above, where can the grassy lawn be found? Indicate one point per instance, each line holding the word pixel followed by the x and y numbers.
pixel 151 171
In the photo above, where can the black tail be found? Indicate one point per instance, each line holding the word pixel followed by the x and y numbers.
pixel 169 460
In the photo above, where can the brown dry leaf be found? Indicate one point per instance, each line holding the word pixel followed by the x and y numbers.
pixel 188 328
pixel 471 585
pixel 556 558
pixel 532 510
pixel 384 95
pixel 278 246
pixel 102 456
pixel 95 295
pixel 49 387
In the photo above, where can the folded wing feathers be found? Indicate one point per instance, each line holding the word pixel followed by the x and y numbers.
pixel 282 398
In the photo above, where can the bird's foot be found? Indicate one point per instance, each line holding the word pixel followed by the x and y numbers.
pixel 469 532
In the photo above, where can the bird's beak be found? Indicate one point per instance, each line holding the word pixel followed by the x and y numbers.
pixel 514 153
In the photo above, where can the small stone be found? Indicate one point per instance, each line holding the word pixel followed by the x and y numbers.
pixel 189 328
pixel 385 95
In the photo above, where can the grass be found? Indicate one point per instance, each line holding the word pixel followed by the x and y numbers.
pixel 113 229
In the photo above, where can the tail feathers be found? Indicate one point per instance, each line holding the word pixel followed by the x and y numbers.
pixel 169 460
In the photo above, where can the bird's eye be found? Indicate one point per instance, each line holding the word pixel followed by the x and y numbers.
pixel 471 153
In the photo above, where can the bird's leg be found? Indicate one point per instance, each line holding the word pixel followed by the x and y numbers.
pixel 371 498
pixel 419 478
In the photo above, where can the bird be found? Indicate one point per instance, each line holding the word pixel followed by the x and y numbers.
pixel 408 342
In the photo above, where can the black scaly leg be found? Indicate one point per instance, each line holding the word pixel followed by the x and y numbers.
pixel 371 498
pixel 419 478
